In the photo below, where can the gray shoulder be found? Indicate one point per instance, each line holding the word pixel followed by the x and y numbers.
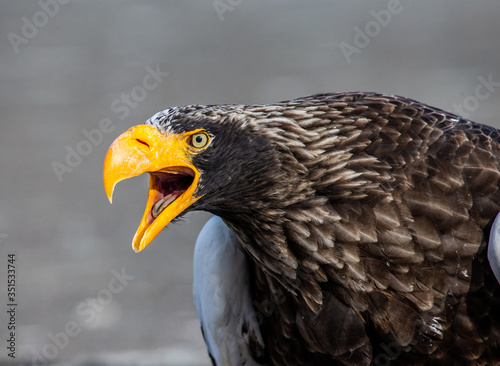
pixel 221 291
pixel 494 247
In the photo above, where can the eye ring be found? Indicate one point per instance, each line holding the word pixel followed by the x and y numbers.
pixel 199 140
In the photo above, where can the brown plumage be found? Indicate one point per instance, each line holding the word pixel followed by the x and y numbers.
pixel 365 218
pixel 383 245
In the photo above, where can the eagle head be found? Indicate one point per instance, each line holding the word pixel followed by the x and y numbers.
pixel 211 158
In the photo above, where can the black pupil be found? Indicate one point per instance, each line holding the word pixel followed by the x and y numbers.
pixel 199 139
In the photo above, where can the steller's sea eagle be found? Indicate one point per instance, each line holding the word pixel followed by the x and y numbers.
pixel 351 229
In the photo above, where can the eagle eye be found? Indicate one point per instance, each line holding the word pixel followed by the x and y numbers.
pixel 199 140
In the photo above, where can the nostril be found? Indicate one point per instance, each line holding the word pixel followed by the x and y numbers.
pixel 142 142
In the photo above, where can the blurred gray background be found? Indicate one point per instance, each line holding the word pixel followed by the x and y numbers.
pixel 66 66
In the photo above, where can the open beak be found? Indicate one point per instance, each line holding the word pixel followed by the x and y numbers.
pixel 173 178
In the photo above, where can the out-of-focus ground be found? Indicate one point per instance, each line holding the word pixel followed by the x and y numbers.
pixel 71 69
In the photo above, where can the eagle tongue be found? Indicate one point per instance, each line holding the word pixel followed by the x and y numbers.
pixel 163 203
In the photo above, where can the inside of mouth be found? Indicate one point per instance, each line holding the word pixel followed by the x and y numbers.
pixel 169 185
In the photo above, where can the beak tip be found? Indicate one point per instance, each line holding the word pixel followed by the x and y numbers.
pixel 109 190
pixel 137 248
pixel 136 244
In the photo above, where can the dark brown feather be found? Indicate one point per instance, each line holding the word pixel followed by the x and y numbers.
pixel 367 214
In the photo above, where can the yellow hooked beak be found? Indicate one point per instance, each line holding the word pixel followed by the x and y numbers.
pixel 173 177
